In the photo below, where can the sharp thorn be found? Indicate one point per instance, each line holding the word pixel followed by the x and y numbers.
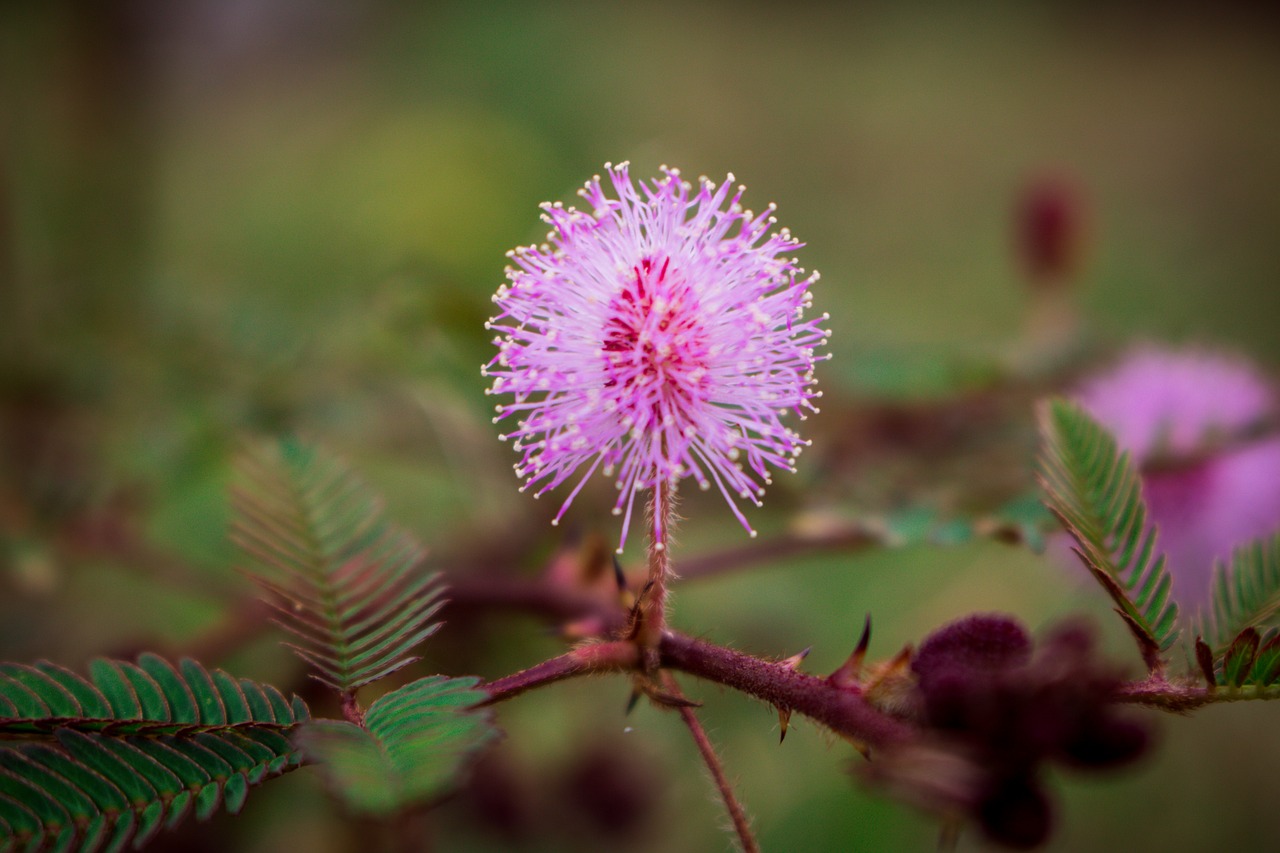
pixel 865 640
pixel 784 722
pixel 619 576
pixel 671 700
pixel 850 672
pixel 794 661
pixel 902 659
pixel 644 593
pixel 637 612
pixel 632 701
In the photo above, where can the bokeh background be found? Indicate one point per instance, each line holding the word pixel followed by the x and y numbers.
pixel 222 220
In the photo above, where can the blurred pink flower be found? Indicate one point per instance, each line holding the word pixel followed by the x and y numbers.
pixel 660 335
pixel 1182 414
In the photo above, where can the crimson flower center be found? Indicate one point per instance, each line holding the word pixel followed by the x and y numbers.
pixel 655 346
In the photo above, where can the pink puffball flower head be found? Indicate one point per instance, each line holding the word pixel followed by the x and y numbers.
pixel 658 336
pixel 1218 493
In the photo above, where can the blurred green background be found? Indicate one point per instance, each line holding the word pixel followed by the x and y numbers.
pixel 225 219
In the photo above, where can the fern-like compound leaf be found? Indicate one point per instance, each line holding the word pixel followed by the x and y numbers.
pixel 414 744
pixel 1246 594
pixel 346 584
pixel 110 760
pixel 1095 492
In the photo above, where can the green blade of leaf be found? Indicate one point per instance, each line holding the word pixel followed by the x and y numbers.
pixel 1246 592
pixel 346 584
pixel 416 742
pixel 116 759
pixel 151 696
pixel 1266 665
pixel 1238 661
pixel 1095 492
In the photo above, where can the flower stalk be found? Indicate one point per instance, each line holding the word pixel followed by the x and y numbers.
pixel 651 616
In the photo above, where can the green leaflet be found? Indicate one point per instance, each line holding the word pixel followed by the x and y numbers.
pixel 346 584
pixel 1237 663
pixel 125 698
pixel 415 742
pixel 1247 593
pixel 1266 665
pixel 1095 491
pixel 1252 659
pixel 109 760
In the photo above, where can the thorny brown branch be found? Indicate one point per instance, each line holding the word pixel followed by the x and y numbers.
pixel 596 615
pixel 842 709
pixel 839 707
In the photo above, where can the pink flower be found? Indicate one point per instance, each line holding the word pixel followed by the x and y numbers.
pixel 659 336
pixel 1186 417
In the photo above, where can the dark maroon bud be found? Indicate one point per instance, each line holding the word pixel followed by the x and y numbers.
pixel 1050 231
pixel 1074 640
pixel 1107 742
pixel 949 697
pixel 1051 716
pixel 1016 814
pixel 983 643
pixel 1010 711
